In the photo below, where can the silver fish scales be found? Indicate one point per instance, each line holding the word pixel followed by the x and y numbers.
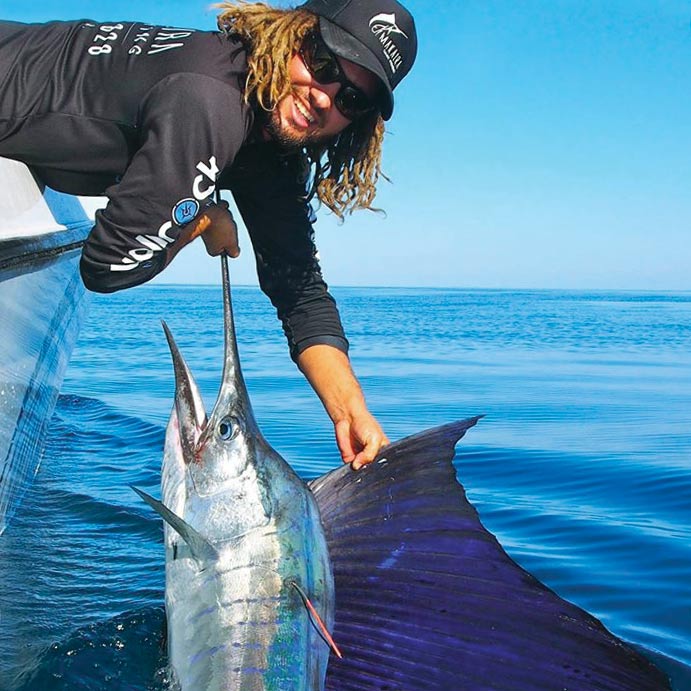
pixel 244 544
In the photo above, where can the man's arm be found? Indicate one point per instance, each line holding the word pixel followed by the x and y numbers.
pixel 271 198
pixel 190 129
pixel 358 435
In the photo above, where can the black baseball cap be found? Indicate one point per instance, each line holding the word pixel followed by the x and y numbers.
pixel 378 35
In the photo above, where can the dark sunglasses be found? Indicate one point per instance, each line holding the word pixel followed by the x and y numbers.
pixel 352 102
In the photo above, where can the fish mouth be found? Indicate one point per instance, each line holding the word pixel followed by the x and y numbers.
pixel 189 407
pixel 196 430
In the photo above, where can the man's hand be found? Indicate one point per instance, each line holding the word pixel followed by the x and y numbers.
pixel 217 228
pixel 219 231
pixel 358 434
pixel 359 439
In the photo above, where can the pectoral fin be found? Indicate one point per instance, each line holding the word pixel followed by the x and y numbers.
pixel 317 620
pixel 202 550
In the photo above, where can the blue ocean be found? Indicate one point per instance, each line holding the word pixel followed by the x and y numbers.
pixel 581 467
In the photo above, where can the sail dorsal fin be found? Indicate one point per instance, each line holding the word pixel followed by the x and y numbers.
pixel 426 597
pixel 202 550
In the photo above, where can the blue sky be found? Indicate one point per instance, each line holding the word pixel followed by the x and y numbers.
pixel 540 144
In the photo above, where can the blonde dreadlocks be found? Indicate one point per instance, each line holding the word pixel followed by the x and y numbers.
pixel 347 169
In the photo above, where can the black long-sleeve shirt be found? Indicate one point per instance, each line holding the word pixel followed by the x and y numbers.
pixel 154 118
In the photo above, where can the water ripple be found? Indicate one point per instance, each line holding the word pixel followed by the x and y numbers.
pixel 581 467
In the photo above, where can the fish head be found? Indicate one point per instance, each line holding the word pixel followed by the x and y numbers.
pixel 216 449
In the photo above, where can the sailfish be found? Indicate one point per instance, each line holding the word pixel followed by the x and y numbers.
pixel 381 579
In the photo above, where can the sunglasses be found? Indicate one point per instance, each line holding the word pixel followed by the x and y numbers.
pixel 351 101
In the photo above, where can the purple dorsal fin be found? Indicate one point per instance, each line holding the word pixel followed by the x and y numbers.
pixel 427 599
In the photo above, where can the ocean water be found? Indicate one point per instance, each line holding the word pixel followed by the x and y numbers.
pixel 581 467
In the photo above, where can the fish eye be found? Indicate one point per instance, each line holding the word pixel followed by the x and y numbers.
pixel 228 428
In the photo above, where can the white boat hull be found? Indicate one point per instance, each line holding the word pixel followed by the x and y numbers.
pixel 42 303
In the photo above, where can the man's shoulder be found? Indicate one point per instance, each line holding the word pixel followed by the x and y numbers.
pixel 186 94
pixel 216 55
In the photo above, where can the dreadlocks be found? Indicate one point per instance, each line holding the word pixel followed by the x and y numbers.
pixel 346 170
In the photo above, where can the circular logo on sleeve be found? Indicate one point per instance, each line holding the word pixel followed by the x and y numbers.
pixel 185 210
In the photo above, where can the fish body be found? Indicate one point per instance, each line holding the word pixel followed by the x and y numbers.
pixel 243 542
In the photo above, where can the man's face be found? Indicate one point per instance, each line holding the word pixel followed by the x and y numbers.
pixel 308 115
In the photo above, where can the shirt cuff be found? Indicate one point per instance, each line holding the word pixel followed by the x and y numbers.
pixel 334 341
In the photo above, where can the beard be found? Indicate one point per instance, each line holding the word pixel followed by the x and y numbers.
pixel 288 139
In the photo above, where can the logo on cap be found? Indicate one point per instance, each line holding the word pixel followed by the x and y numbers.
pixel 382 26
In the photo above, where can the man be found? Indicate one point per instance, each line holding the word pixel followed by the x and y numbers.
pixel 277 106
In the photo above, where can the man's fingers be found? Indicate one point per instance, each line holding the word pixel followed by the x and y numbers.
pixel 221 235
pixel 371 446
pixel 367 454
pixel 215 249
pixel 232 251
pixel 345 444
pixel 359 439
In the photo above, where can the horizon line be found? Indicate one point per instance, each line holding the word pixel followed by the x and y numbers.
pixel 162 284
